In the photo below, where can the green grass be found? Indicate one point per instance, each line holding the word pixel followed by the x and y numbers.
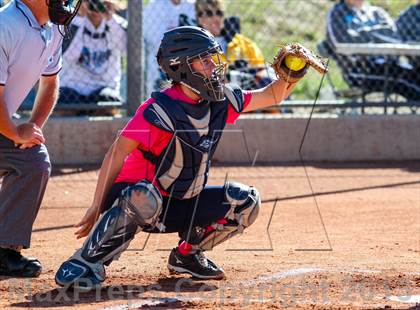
pixel 270 23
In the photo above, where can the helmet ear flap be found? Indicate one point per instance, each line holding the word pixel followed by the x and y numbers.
pixel 174 68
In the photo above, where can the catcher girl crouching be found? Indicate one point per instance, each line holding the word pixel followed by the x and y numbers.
pixel 153 178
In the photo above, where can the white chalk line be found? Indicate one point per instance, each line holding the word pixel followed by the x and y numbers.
pixel 299 271
pixel 141 303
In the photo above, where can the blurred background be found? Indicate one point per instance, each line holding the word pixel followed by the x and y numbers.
pixel 109 64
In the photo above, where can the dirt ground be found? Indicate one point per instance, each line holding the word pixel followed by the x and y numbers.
pixel 352 242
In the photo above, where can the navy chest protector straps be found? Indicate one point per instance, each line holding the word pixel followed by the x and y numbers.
pixel 182 167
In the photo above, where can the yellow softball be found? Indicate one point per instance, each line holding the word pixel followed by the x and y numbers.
pixel 294 63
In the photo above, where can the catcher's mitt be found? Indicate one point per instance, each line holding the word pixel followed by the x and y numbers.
pixel 296 50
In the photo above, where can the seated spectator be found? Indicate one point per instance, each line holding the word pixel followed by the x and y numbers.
pixel 245 60
pixel 355 21
pixel 408 24
pixel 158 17
pixel 92 55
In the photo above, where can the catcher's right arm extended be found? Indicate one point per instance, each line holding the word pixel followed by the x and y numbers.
pixel 284 69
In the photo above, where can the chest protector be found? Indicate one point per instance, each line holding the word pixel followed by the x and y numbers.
pixel 182 167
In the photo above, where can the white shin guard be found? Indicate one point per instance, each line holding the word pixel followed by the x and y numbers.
pixel 245 204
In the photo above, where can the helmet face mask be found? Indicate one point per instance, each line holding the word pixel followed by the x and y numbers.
pixel 191 56
pixel 212 81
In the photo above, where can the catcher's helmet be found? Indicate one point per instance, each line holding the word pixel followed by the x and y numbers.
pixel 179 47
pixel 62 12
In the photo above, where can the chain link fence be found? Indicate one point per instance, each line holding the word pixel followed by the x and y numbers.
pixel 97 72
pixel 94 53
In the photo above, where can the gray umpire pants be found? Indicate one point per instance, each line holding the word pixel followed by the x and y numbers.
pixel 25 175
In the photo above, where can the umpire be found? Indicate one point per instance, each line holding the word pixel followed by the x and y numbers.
pixel 30 51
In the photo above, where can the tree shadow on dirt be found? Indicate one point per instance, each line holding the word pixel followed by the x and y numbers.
pixel 342 191
pixel 405 165
pixel 60 170
pixel 134 293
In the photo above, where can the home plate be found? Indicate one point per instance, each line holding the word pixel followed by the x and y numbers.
pixel 142 303
pixel 407 298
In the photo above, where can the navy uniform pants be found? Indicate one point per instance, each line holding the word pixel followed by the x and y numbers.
pixel 184 215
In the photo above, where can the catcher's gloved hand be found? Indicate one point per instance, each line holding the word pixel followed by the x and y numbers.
pixel 293 61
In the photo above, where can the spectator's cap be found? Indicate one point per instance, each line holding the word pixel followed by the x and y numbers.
pixel 97 6
pixel 209 8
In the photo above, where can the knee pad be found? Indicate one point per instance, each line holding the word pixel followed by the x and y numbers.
pixel 142 202
pixel 245 204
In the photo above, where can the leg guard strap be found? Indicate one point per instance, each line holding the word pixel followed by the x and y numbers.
pixel 245 204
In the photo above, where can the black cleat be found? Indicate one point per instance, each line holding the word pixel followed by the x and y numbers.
pixel 195 264
pixel 13 264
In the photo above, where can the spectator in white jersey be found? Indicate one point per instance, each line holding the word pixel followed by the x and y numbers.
pixel 30 51
pixel 92 55
pixel 158 17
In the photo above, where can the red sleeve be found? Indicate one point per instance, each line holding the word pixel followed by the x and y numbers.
pixel 232 114
pixel 149 137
